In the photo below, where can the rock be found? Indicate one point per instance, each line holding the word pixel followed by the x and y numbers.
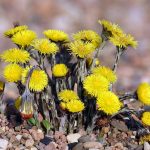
pixel 140 147
pixel 78 146
pixel 18 128
pixel 105 130
pixel 119 146
pixel 73 137
pixel 18 137
pixel 84 138
pixel 120 125
pixel 88 145
pixel 3 144
pixel 37 134
pixel 33 148
pixel 50 146
pixel 146 146
pixel 46 140
pixel 29 143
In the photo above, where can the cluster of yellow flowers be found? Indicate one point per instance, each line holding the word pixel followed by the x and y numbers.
pixel 70 101
pixel 84 44
pixel 97 84
pixel 117 36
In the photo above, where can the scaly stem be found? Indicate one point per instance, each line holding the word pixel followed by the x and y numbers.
pixel 118 54
pixel 97 54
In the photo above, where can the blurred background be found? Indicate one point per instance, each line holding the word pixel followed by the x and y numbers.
pixel 74 15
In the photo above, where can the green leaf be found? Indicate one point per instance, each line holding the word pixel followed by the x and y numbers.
pixel 46 124
pixel 32 121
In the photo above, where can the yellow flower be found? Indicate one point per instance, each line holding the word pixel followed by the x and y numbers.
pixel 15 55
pixel 81 49
pixel 123 41
pixel 146 118
pixel 88 36
pixel 145 138
pixel 38 80
pixel 143 93
pixel 56 35
pixel 113 29
pixel 12 31
pixel 94 84
pixel 12 72
pixel 108 102
pixel 67 95
pixel 106 72
pixel 24 38
pixel 44 46
pixel 59 70
pixel 75 106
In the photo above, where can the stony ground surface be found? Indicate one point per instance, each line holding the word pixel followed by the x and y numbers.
pixel 26 137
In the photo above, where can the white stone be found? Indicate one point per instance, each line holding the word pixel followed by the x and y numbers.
pixel 146 146
pixel 18 137
pixel 72 138
pixel 3 144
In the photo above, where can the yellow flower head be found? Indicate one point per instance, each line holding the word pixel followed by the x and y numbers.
pixel 67 95
pixel 146 118
pixel 123 41
pixel 81 49
pixel 143 93
pixel 56 35
pixel 12 31
pixel 106 72
pixel 44 46
pixel 94 84
pixel 38 80
pixel 145 138
pixel 113 29
pixel 88 36
pixel 75 106
pixel 15 55
pixel 108 102
pixel 12 73
pixel 59 70
pixel 24 38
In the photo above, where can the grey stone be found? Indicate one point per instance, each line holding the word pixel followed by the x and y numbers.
pixel 79 146
pixel 84 138
pixel 3 144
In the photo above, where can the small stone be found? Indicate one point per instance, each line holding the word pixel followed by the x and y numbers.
pixel 18 128
pixel 105 130
pixel 84 138
pixel 50 146
pixel 18 137
pixel 119 146
pixel 78 146
pixel 13 138
pixel 73 137
pixel 33 148
pixel 146 146
pixel 120 125
pixel 92 145
pixel 3 144
pixel 29 143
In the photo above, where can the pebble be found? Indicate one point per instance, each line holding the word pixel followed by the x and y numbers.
pixel 146 146
pixel 92 145
pixel 84 138
pixel 73 137
pixel 78 146
pixel 18 137
pixel 29 143
pixel 50 146
pixel 3 144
